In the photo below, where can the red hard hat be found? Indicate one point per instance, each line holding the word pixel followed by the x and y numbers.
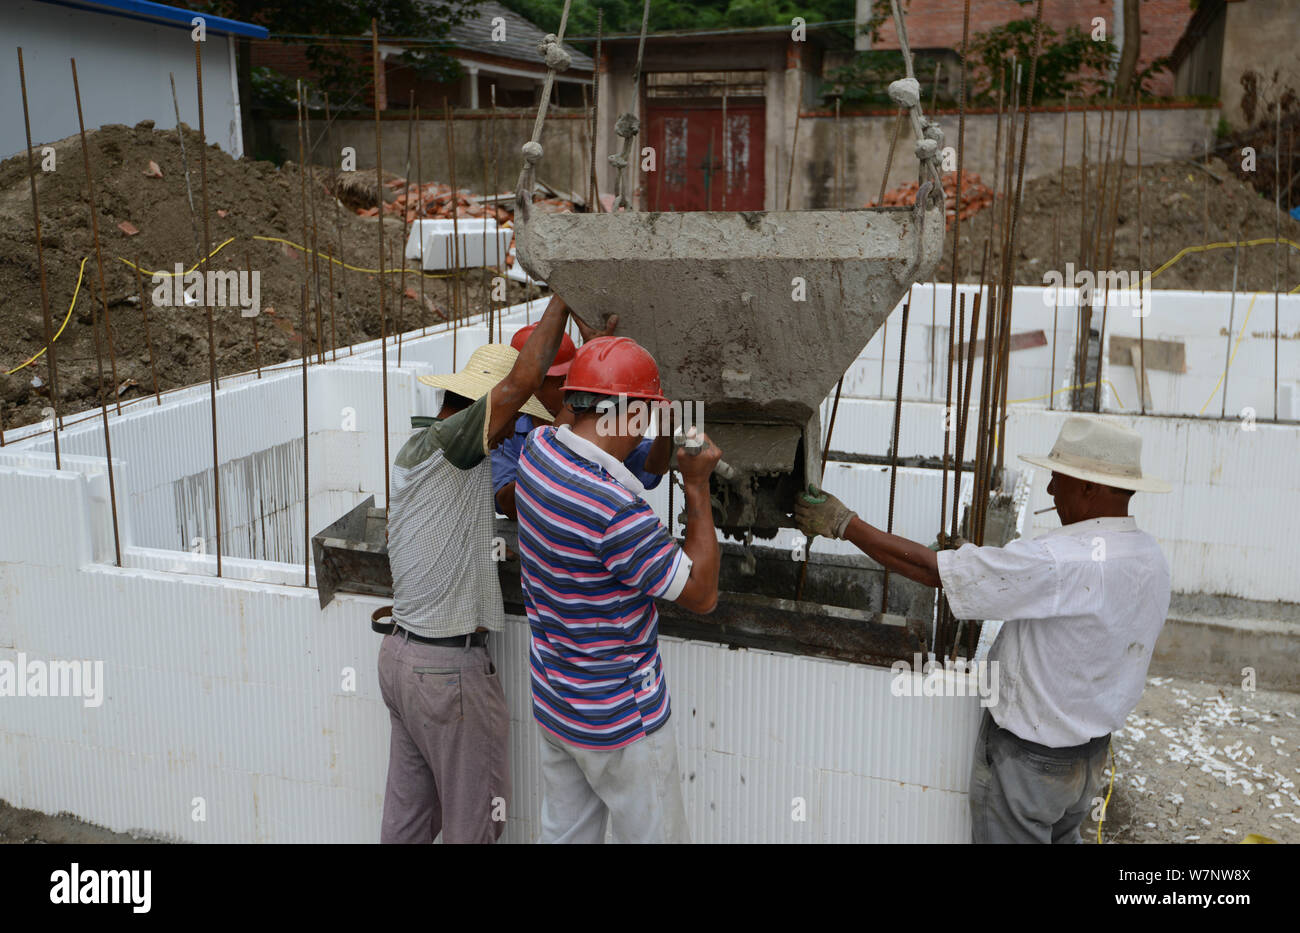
pixel 563 357
pixel 615 366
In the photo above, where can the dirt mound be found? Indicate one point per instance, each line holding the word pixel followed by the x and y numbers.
pixel 1182 206
pixel 246 199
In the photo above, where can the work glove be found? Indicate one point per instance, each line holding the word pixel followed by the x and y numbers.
pixel 817 512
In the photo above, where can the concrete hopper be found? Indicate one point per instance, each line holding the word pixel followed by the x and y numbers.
pixel 756 315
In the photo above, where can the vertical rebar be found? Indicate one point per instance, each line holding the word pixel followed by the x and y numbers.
pixel 1142 330
pixel 794 141
pixel 406 223
pixel 593 196
pixel 148 337
pixel 338 227
pixel 51 362
pixel 1277 236
pixel 893 451
pixel 379 189
pixel 302 187
pixel 103 301
pixel 306 463
pixel 315 247
pixel 455 229
pixel 252 321
pixel 496 189
pixel 1232 311
pixel 207 303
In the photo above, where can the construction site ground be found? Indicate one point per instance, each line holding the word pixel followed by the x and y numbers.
pixel 246 199
pixel 1182 207
pixel 1197 762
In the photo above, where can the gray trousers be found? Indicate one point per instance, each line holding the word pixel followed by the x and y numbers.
pixel 449 754
pixel 637 787
pixel 1021 791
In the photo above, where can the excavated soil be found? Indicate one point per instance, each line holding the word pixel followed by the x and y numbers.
pixel 1182 206
pixel 246 199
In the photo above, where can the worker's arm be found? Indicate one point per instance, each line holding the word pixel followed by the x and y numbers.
pixel 505 500
pixel 901 555
pixel 525 377
pixel 820 513
pixel 701 542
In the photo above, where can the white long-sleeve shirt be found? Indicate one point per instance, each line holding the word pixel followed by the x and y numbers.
pixel 1082 607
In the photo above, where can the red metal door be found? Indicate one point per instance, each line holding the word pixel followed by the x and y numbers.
pixel 699 167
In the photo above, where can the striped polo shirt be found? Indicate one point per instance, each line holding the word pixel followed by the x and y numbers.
pixel 594 556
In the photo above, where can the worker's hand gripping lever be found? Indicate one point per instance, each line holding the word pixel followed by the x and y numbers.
pixel 691 443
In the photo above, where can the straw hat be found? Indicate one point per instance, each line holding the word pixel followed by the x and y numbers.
pixel 1097 450
pixel 487 366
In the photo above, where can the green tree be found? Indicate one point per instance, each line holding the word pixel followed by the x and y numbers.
pixel 624 16
pixel 1073 63
pixel 333 60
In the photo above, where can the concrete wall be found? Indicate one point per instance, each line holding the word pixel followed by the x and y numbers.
pixel 1259 36
pixel 564 141
pixel 123 67
pixel 1167 133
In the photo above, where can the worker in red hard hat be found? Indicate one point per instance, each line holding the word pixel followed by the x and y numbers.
pixel 595 557
pixel 648 462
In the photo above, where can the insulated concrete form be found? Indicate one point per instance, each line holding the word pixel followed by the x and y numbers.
pixel 1196 320
pixel 243 692
pixel 239 696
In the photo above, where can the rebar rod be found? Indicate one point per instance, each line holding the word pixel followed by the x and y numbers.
pixel 455 229
pixel 1232 310
pixel 315 247
pixel 302 189
pixel 103 301
pixel 207 299
pixel 338 227
pixel 893 451
pixel 306 437
pixel 148 337
pixel 1142 330
pixel 406 223
pixel 51 361
pixel 379 218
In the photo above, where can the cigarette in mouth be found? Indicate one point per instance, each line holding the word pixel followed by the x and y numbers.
pixel 1050 508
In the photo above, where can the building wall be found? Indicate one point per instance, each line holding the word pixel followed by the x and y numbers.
pixel 564 141
pixel 123 66
pixel 1168 134
pixel 1259 37
pixel 938 24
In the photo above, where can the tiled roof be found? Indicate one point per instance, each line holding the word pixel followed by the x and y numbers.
pixel 521 37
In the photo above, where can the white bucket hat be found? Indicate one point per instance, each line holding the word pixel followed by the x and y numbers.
pixel 1097 450
pixel 487 366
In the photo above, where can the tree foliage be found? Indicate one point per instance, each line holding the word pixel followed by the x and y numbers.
pixel 1074 63
pixel 624 16
pixel 336 64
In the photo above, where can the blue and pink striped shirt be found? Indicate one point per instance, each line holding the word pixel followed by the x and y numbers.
pixel 594 557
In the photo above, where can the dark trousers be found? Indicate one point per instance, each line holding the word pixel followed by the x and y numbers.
pixel 449 754
pixel 1021 791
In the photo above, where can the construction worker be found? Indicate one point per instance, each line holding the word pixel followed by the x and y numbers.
pixel 1082 607
pixel 595 557
pixel 448 764
pixel 648 463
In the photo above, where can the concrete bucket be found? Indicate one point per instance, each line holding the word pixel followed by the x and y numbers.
pixel 756 315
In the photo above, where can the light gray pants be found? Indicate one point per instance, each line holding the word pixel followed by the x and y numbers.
pixel 449 753
pixel 636 787
pixel 1024 792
